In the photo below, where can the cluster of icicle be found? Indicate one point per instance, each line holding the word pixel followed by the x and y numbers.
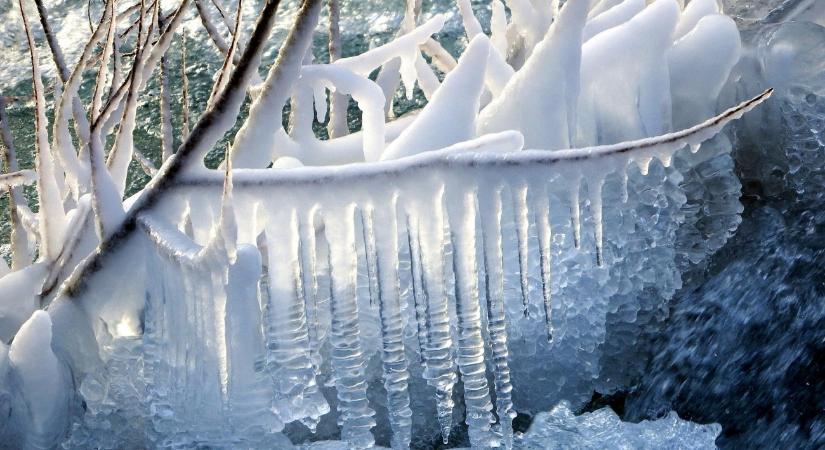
pixel 250 289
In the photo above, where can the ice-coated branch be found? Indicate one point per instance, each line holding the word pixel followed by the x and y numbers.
pixel 338 103
pixel 494 150
pixel 207 131
pixel 108 52
pixel 81 123
pixel 227 20
pixel 76 171
pixel 18 178
pixel 114 104
pixel 211 29
pixel 121 154
pixel 167 138
pixel 223 73
pixel 402 47
pixel 19 239
pixel 51 217
pixel 251 147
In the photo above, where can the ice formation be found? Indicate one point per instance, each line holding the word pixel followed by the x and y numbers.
pixel 511 240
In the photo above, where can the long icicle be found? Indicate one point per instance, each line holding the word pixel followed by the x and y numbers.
pixel 440 369
pixel 490 206
pixel 355 414
pixel 418 291
pixel 462 216
pixel 522 223
pixel 544 232
pixel 390 310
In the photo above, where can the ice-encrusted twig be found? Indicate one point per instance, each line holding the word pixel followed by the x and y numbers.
pixel 167 137
pixel 223 73
pixel 108 52
pixel 81 123
pixel 51 217
pixel 121 154
pixel 17 178
pixel 211 29
pixel 115 103
pixel 184 132
pixel 76 171
pixel 19 239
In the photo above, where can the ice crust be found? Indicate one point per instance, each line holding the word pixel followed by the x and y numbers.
pixel 416 277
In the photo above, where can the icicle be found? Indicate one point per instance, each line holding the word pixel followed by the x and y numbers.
pixel 575 211
pixel 249 404
pixel 695 147
pixel 522 226
pixel 439 371
pixel 309 269
pixel 297 396
pixel 644 164
pixel 462 215
pixel 368 236
pixel 544 232
pixel 225 237
pixel 418 291
pixel 392 322
pixel 356 416
pixel 594 189
pixel 490 206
